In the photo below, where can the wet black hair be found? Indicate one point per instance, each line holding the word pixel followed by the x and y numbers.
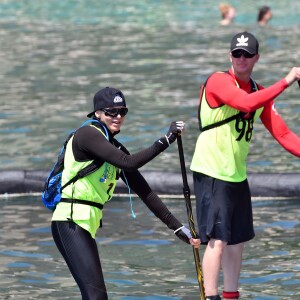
pixel 262 11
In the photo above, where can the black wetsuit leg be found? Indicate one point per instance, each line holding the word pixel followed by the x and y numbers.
pixel 80 252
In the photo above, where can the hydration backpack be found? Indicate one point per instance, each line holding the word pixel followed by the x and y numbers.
pixel 51 194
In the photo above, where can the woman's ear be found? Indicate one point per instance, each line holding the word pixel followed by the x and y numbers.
pixel 97 114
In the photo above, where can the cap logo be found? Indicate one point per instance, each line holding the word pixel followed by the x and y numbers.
pixel 118 99
pixel 242 41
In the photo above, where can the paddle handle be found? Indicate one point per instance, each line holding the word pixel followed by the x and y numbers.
pixel 186 193
pixel 186 189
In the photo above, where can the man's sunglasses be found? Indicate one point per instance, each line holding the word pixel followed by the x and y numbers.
pixel 239 53
pixel 113 112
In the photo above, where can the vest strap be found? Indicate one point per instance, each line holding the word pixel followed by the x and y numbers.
pixel 84 202
pixel 254 88
pixel 220 123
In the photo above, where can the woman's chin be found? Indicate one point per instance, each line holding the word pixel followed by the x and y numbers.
pixel 114 128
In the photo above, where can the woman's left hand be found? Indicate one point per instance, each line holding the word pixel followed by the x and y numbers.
pixel 195 242
pixel 185 235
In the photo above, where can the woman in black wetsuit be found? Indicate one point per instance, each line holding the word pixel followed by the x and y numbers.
pixel 77 217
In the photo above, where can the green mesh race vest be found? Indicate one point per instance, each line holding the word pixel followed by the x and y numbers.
pixel 97 187
pixel 223 144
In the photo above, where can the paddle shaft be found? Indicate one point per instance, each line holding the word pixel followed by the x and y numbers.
pixel 186 193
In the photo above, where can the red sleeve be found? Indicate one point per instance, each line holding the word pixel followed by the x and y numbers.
pixel 221 89
pixel 279 130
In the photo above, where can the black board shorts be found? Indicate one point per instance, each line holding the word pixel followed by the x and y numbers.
pixel 224 210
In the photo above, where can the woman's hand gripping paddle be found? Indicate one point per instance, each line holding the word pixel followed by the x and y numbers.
pixel 186 193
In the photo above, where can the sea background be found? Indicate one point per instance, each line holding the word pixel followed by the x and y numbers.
pixel 55 55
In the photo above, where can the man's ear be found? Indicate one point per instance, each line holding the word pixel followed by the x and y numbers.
pixel 257 57
pixel 230 57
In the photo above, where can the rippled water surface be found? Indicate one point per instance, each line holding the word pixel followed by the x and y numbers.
pixel 141 258
pixel 55 55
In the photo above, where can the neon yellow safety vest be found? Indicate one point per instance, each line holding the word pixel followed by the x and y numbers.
pixel 222 147
pixel 97 187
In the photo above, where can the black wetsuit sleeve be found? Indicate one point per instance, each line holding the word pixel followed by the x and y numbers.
pixel 90 144
pixel 140 186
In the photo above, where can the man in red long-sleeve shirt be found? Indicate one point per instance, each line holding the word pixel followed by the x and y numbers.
pixel 230 103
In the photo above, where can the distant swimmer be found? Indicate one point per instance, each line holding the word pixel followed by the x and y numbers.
pixel 228 14
pixel 264 15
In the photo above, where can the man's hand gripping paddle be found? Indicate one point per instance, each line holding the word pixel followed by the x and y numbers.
pixel 186 193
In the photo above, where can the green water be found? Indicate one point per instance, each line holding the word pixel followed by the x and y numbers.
pixel 141 258
pixel 55 55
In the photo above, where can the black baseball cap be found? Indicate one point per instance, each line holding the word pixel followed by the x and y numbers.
pixel 245 41
pixel 107 97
